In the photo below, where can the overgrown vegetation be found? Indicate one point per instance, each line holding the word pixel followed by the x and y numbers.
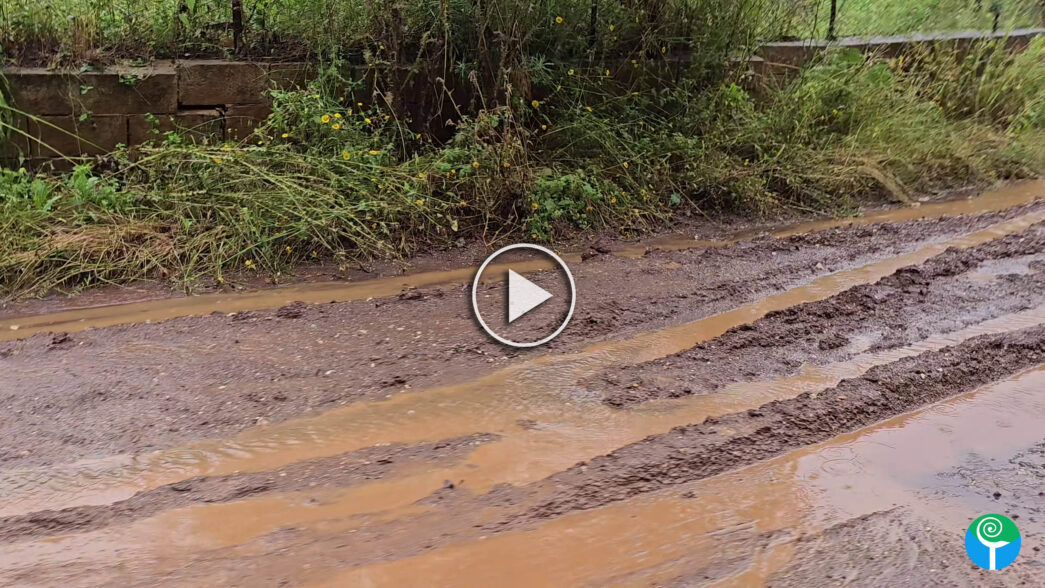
pixel 79 31
pixel 620 133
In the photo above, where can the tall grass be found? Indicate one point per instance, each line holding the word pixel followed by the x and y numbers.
pixel 327 178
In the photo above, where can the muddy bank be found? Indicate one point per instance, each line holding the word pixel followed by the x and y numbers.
pixel 135 388
pixel 944 294
pixel 721 444
pixel 339 471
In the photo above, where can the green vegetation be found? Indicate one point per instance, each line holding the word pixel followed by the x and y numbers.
pixel 552 134
pixel 77 31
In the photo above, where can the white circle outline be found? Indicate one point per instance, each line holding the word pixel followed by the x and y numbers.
pixel 550 253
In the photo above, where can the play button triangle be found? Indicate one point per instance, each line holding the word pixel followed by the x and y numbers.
pixel 523 296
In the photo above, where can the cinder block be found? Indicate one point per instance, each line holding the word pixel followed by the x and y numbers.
pixel 213 82
pixel 116 90
pixel 196 125
pixel 242 119
pixel 66 135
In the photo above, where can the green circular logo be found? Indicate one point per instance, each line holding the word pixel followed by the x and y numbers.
pixel 992 541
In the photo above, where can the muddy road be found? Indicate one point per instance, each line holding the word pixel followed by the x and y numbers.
pixel 826 403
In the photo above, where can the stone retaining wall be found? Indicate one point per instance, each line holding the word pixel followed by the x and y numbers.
pixel 90 113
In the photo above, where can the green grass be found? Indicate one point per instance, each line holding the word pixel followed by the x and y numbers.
pixel 553 136
pixel 79 31
pixel 324 179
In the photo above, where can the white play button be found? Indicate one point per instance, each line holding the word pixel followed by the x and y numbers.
pixel 523 295
pixel 520 296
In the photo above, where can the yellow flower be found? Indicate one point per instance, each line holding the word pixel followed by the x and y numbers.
pixel 558 20
pixel 534 205
pixel 663 49
pixel 535 103
pixel 288 249
pixel 611 28
pixel 261 142
pixel 506 164
pixel 373 152
pixel 544 127
pixel 613 200
pixel 325 118
pixel 607 73
pixel 249 263
pixel 336 126
pixel 588 108
pixel 337 115
pixel 421 175
pixel 285 135
pixel 419 202
pixel 216 159
pixel 464 203
pixel 387 117
pixel 360 104
pixel 625 165
pixel 418 136
pixel 453 172
pixel 569 73
pixel 367 120
pixel 346 155
pixel 475 164
pixel 314 254
pixel 533 235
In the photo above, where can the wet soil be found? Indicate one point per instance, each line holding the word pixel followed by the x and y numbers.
pixel 718 444
pixel 134 388
pixel 938 296
pixel 384 437
pixel 339 471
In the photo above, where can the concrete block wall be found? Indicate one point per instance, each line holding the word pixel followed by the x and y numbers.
pixel 780 61
pixel 89 113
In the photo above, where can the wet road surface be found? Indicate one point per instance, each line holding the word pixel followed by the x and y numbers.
pixel 818 404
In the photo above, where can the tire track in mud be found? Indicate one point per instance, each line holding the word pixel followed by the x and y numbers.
pixel 346 470
pixel 210 377
pixel 338 431
pixel 901 308
pixel 717 445
pixel 567 489
pixel 755 434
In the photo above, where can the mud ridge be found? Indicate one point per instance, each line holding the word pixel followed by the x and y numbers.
pixel 338 471
pixel 213 376
pixel 720 444
pixel 902 308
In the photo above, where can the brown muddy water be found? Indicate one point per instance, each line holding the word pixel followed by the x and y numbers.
pixel 475 518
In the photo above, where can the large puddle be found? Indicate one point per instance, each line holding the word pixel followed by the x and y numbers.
pixel 740 527
pixel 735 529
pixel 543 390
pixel 169 308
